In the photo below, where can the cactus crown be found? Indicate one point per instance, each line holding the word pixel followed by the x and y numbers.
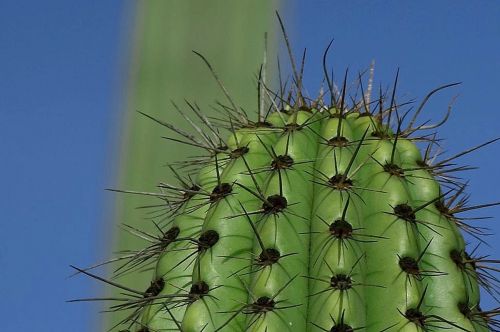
pixel 316 216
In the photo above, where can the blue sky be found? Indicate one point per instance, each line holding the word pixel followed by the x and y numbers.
pixel 61 83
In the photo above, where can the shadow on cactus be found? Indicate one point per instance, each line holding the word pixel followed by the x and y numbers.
pixel 314 215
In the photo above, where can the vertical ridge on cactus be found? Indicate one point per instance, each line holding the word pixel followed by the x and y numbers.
pixel 315 217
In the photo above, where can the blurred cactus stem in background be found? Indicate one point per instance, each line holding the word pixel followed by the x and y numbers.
pixel 163 69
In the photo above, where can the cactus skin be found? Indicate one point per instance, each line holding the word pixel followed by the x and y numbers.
pixel 316 218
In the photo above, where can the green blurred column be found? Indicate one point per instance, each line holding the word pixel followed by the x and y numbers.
pixel 230 34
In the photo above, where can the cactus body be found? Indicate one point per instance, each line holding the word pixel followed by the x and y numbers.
pixel 314 219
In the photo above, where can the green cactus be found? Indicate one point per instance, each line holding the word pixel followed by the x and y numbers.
pixel 314 216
